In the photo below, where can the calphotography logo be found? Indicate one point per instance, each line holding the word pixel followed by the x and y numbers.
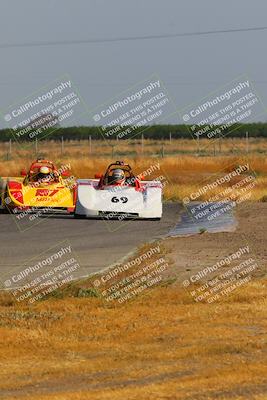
pixel 50 272
pixel 219 113
pixel 42 113
pixel 133 111
pixel 223 278
pixel 124 282
pixel 216 198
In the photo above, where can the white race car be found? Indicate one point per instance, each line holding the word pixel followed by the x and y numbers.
pixel 118 194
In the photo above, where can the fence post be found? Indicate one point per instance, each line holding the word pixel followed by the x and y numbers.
pixel 36 147
pixel 198 146
pixel 10 150
pixel 62 145
pixel 247 142
pixel 162 151
pixel 142 143
pixel 220 144
pixel 90 144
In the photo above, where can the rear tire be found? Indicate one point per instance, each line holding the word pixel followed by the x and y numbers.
pixel 4 211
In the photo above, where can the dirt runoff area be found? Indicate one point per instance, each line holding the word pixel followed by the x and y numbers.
pixel 192 254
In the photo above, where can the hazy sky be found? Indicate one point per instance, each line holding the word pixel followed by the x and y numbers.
pixel 191 67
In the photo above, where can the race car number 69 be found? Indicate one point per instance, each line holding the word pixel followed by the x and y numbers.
pixel 116 199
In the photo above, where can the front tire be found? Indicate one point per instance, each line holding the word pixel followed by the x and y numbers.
pixel 3 194
pixel 79 216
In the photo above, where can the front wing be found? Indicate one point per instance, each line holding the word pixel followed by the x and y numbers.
pixel 52 196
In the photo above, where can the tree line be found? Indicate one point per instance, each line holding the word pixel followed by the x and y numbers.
pixel 258 129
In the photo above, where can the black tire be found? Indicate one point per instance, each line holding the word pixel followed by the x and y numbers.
pixel 2 196
pixel 78 216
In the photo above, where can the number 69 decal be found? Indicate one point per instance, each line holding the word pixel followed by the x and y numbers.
pixel 118 199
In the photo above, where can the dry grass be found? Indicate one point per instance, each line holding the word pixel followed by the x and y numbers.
pixel 184 172
pixel 161 345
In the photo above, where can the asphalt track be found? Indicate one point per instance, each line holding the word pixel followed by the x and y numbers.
pixel 96 244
